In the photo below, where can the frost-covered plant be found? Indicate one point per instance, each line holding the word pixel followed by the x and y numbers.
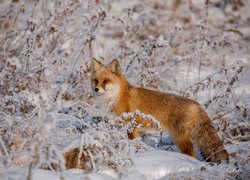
pixel 98 148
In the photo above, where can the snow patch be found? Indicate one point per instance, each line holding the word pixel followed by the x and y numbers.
pixel 157 164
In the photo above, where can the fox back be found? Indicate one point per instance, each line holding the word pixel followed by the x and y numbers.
pixel 185 120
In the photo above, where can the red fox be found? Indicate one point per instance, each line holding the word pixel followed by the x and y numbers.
pixel 185 120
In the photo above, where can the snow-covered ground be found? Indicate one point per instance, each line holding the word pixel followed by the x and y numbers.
pixel 197 48
pixel 149 165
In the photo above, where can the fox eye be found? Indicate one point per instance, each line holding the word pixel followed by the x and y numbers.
pixel 106 81
pixel 95 81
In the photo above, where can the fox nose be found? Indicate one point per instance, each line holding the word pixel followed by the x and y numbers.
pixel 96 89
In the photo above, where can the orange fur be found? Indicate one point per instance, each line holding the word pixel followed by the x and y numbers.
pixel 183 118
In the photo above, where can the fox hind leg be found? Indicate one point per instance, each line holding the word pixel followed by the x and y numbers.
pixel 186 147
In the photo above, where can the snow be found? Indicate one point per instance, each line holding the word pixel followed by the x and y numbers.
pixel 157 164
pixel 148 165
pixel 39 174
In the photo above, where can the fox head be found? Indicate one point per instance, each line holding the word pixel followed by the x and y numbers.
pixel 106 81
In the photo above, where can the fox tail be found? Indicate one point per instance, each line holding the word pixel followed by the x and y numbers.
pixel 205 138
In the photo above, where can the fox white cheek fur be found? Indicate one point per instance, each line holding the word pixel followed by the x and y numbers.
pixel 112 91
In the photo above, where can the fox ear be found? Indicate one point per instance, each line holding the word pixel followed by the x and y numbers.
pixel 114 67
pixel 96 65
